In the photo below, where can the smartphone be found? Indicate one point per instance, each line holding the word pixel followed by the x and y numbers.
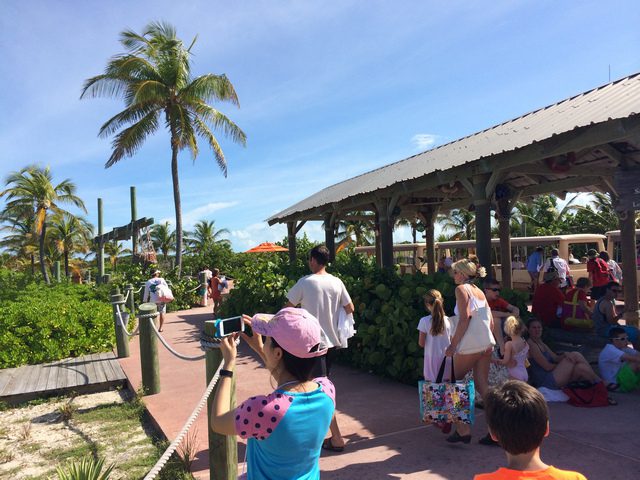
pixel 227 326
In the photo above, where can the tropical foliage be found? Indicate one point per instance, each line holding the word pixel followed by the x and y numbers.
pixel 154 79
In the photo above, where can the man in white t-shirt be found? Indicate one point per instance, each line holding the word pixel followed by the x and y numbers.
pixel 323 295
pixel 560 265
pixel 620 365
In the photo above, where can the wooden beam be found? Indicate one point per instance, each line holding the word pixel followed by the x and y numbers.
pixel 467 185
pixel 566 184
pixel 299 226
pixel 491 184
pixel 613 153
pixel 577 171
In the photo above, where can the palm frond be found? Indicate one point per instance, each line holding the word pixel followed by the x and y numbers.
pixel 129 140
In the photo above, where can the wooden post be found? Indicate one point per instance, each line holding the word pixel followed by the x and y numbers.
pixel 428 216
pixel 100 245
pixel 141 287
pixel 148 349
pixel 134 231
pixel 291 241
pixel 330 239
pixel 128 288
pixel 483 222
pixel 504 226
pixel 204 298
pixel 386 233
pixel 223 450
pixel 106 278
pixel 122 342
pixel 629 274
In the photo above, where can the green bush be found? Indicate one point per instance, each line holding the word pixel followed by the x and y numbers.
pixel 42 324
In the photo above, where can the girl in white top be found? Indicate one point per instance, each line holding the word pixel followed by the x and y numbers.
pixel 435 335
pixel 515 350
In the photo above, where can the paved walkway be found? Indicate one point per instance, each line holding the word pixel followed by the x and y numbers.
pixel 379 418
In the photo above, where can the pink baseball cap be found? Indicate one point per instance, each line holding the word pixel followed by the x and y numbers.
pixel 295 330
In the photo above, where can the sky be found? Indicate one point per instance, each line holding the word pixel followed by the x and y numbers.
pixel 328 90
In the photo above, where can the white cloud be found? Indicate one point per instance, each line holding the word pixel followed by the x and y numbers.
pixel 424 141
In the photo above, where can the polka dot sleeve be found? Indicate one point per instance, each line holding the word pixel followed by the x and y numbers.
pixel 258 416
pixel 327 387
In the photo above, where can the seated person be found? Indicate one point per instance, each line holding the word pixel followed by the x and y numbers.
pixel 577 308
pixel 518 419
pixel 605 316
pixel 547 300
pixel 500 309
pixel 517 264
pixel 619 364
pixel 551 370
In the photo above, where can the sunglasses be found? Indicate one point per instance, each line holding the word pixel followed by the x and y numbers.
pixel 624 339
pixel 493 289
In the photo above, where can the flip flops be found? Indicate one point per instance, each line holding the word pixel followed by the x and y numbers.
pixel 612 387
pixel 327 445
pixel 612 401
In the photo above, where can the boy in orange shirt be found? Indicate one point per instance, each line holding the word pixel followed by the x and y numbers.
pixel 518 420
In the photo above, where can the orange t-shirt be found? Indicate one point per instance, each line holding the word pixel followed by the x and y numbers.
pixel 551 473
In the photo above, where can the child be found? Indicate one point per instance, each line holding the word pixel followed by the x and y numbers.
pixel 518 420
pixel 515 350
pixel 434 337
pixel 620 365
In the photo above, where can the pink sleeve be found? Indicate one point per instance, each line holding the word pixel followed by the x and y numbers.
pixel 327 387
pixel 258 416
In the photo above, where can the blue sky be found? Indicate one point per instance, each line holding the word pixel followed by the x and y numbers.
pixel 328 90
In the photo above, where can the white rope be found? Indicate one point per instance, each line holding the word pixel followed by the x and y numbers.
pixel 126 296
pixel 169 451
pixel 168 347
pixel 124 327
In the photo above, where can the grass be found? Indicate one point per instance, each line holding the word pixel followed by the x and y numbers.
pixel 114 431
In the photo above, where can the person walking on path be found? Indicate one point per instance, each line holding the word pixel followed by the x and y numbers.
pixel 469 301
pixel 151 295
pixel 323 295
pixel 561 266
pixel 284 429
pixel 534 265
pixel 214 290
pixel 599 275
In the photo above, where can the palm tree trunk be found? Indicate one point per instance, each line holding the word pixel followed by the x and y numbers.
pixel 177 203
pixel 33 264
pixel 43 267
pixel 66 263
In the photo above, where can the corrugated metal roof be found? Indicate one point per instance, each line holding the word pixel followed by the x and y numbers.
pixel 616 100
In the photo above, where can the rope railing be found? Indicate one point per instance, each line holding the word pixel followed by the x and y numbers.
pixel 164 342
pixel 192 418
pixel 123 325
pixel 126 297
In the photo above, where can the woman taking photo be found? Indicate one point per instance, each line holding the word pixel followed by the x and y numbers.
pixel 285 428
pixel 472 341
pixel 551 370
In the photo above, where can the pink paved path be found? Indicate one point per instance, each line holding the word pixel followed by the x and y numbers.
pixel 379 418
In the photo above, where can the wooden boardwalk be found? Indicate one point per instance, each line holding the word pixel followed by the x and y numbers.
pixel 89 373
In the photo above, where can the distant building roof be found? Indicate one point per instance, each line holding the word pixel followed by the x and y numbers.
pixel 616 100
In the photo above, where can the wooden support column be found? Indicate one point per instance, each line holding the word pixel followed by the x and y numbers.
pixel 629 274
pixel 428 217
pixel 504 226
pixel 100 246
pixel 291 241
pixel 329 235
pixel 483 221
pixel 377 241
pixel 385 222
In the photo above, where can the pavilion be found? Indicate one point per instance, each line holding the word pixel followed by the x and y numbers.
pixel 586 143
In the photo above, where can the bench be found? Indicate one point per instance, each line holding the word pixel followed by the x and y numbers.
pixel 587 343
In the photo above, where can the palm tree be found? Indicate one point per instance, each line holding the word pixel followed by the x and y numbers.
pixel 163 238
pixel 154 79
pixel 362 231
pixel 114 249
pixel 71 234
pixel 461 221
pixel 205 235
pixel 20 240
pixel 31 190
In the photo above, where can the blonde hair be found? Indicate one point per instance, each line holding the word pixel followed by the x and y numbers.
pixel 513 326
pixel 470 268
pixel 437 311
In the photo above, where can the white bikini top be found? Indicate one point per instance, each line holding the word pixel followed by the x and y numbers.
pixel 474 303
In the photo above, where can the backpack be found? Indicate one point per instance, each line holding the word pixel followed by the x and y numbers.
pixel 222 283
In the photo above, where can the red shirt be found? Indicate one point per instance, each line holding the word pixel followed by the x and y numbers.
pixel 499 304
pixel 571 292
pixel 545 303
pixel 598 271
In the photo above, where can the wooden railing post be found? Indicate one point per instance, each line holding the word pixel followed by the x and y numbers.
pixel 223 450
pixel 128 288
pixel 202 278
pixel 148 349
pixel 122 342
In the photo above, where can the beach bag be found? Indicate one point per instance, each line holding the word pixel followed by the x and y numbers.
pixel 164 293
pixel 346 327
pixel 573 315
pixel 446 402
pixel 478 336
pixel 587 394
pixel 222 283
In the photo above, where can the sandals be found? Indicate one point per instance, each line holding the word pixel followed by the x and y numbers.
pixel 612 401
pixel 612 387
pixel 327 445
pixel 456 437
pixel 487 440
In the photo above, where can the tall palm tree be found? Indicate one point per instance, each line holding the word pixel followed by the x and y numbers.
pixel 362 231
pixel 163 238
pixel 462 222
pixel 19 240
pixel 205 235
pixel 31 190
pixel 115 249
pixel 71 234
pixel 154 79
